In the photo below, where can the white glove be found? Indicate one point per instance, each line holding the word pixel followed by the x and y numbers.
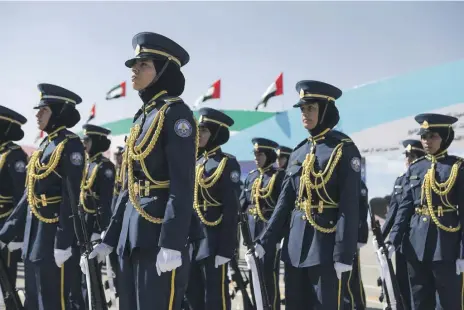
pixel 230 273
pixel 459 266
pixel 101 251
pixel 341 268
pixel 220 260
pixel 102 235
pixel 61 256
pixel 390 248
pixel 168 260
pixel 13 246
pixel 2 245
pixel 375 243
pixel 82 263
pixel 360 245
pixel 94 237
pixel 259 251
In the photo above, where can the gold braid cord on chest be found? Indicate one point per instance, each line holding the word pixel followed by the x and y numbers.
pixel 37 171
pixel 3 158
pixel 87 184
pixel 139 153
pixel 202 184
pixel 311 180
pixel 121 174
pixel 442 190
pixel 258 193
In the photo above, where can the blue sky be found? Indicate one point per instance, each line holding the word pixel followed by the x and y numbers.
pixel 83 45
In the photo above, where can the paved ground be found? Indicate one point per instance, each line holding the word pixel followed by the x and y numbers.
pixel 369 272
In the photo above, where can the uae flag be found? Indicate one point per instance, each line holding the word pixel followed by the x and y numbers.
pixel 93 112
pixel 214 92
pixel 39 136
pixel 117 91
pixel 275 89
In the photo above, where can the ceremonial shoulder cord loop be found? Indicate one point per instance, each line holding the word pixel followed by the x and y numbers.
pixel 37 171
pixel 86 185
pixel 139 153
pixel 258 193
pixel 442 190
pixel 307 185
pixel 204 184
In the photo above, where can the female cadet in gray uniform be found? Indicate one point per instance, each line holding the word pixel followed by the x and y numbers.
pixel 151 221
pixel 320 202
pixel 428 224
pixel 216 205
pixel 44 214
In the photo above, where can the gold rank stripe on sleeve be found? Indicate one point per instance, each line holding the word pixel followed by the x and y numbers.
pixel 34 174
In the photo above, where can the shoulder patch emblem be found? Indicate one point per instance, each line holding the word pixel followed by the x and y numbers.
pixel 356 164
pixel 183 128
pixel 76 158
pixel 20 166
pixel 109 173
pixel 235 176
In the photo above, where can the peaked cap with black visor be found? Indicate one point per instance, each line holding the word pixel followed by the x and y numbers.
pixel 167 56
pixel 283 151
pixel 99 137
pixel 440 124
pixel 325 95
pixel 413 147
pixel 62 102
pixel 218 123
pixel 10 125
pixel 268 147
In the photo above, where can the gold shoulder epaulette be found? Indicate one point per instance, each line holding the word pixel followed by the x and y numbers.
pixel 416 160
pixel 346 140
pixel 173 99
pixel 71 136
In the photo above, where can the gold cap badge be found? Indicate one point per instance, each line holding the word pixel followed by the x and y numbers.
pixel 409 148
pixel 425 125
pixel 302 93
pixel 137 50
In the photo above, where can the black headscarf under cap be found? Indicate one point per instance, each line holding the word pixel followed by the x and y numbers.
pixel 439 123
pixel 324 95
